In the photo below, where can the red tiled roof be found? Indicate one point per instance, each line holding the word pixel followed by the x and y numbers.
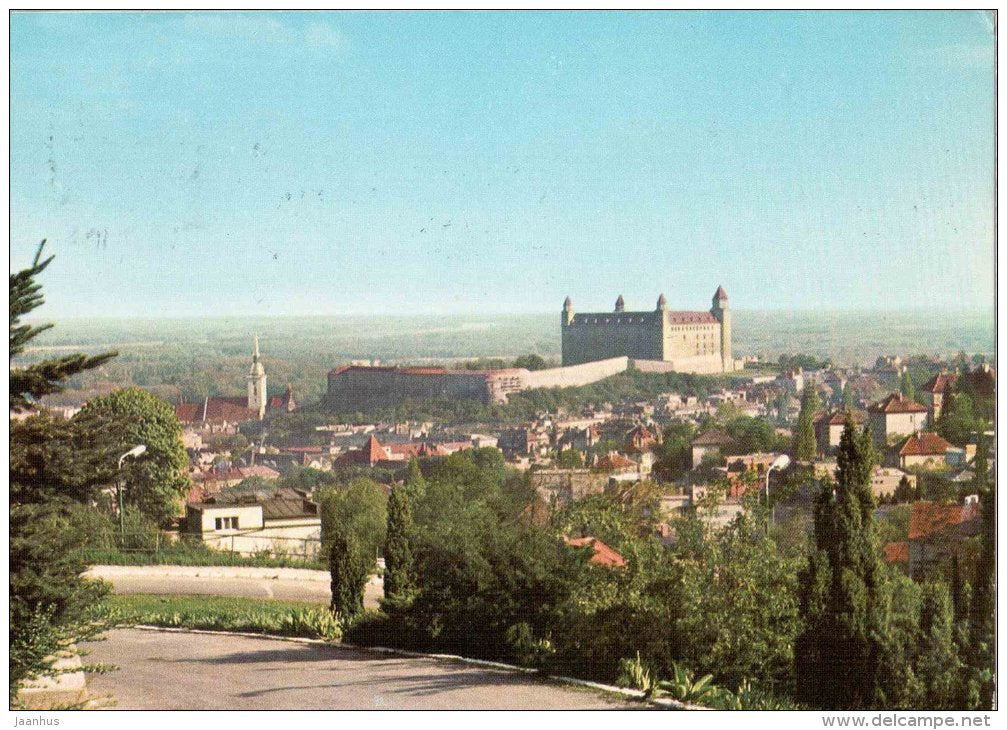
pixel 610 462
pixel 897 552
pixel 603 554
pixel 232 410
pixel 924 444
pixel 720 293
pixel 930 518
pixel 690 318
pixel 838 418
pixel 896 403
pixel 713 437
pixel 940 383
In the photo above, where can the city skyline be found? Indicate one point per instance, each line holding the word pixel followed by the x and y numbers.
pixel 393 163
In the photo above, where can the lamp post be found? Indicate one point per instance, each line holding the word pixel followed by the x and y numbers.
pixel 133 452
pixel 780 463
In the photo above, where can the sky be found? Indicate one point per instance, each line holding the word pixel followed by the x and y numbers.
pixel 182 164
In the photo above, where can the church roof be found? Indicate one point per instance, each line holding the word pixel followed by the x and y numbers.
pixel 231 410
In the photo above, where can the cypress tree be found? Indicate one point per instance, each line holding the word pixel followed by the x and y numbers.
pixel 804 437
pixel 981 654
pixel 938 666
pixel 906 386
pixel 398 555
pixel 349 570
pixel 416 485
pixel 845 597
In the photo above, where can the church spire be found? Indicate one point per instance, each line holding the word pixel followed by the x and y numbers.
pixel 257 382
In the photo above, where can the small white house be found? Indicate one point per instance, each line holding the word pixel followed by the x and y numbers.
pixel 283 523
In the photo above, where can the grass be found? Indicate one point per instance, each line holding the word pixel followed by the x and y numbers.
pixel 224 613
pixel 196 557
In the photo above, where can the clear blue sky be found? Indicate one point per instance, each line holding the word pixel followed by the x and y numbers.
pixel 360 162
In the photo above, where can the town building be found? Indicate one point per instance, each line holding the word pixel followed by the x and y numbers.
pixel 829 429
pixel 895 416
pixel 709 442
pixel 935 392
pixel 936 533
pixel 925 449
pixel 693 342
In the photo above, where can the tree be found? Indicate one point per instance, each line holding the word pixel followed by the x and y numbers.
pixel 349 568
pixel 906 386
pixel 981 655
pixel 531 362
pixel 398 554
pixel 805 444
pixel 155 483
pixel 958 421
pixel 570 459
pixel 938 665
pixel 51 605
pixel 358 509
pixel 845 599
pixel 42 378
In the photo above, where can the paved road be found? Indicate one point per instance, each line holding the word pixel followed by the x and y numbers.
pixel 288 590
pixel 179 671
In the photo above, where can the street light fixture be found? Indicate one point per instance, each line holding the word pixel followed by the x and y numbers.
pixel 133 452
pixel 780 463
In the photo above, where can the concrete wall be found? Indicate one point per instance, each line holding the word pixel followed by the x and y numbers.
pixel 583 374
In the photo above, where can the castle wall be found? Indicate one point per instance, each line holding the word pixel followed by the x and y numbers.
pixel 591 337
pixel 583 374
pixel 699 365
pixel 691 340
pixel 357 388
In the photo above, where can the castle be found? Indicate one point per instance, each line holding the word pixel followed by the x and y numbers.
pixel 685 342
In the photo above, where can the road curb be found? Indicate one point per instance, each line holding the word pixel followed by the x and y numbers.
pixel 633 694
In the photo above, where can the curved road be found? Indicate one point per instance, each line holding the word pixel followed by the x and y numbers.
pixel 182 671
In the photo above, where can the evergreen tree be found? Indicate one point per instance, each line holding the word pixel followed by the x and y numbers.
pixel 51 605
pixel 845 598
pixel 398 554
pixel 906 385
pixel 805 445
pixel 349 568
pixel 416 485
pixel 938 666
pixel 42 378
pixel 981 655
pixel 847 397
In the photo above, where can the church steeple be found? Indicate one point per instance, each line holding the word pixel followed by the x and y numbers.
pixel 257 382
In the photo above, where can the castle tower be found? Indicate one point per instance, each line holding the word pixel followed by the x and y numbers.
pixel 722 312
pixel 257 383
pixel 620 304
pixel 662 303
pixel 567 311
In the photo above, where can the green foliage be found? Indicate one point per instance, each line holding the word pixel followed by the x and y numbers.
pixel 30 383
pixel 938 667
pixel 674 453
pixel 281 618
pixel 752 434
pixel 398 554
pixel 805 443
pixel 349 567
pixel 906 386
pixel 358 509
pixel 155 482
pixel 570 459
pixel 958 421
pixel 50 604
pixel 531 362
pixel 845 595
pixel 802 361
pixel 635 674
pixel 685 688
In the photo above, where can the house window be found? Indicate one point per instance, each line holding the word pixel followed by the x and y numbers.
pixel 226 523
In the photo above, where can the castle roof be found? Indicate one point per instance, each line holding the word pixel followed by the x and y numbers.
pixel 567 303
pixel 690 318
pixel 620 304
pixel 662 303
pixel 720 294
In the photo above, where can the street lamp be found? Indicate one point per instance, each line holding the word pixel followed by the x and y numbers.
pixel 133 452
pixel 780 463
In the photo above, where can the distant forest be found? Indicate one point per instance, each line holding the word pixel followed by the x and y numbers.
pixel 188 359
